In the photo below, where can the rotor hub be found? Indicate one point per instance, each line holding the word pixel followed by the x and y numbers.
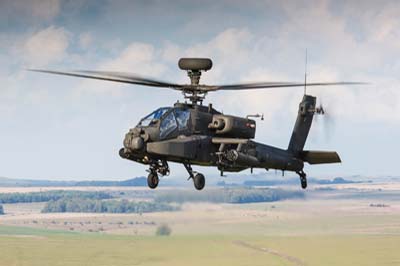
pixel 194 68
pixel 194 76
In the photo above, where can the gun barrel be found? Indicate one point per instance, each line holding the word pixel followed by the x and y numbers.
pixel 241 158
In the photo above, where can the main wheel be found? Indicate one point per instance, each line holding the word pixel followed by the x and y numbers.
pixel 199 181
pixel 303 181
pixel 152 180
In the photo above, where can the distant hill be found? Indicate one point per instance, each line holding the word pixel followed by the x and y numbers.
pixel 10 182
pixel 292 181
pixel 231 181
pixel 134 182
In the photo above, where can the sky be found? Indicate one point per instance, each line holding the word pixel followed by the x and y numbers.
pixel 55 127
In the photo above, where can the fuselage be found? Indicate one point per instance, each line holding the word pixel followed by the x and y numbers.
pixel 200 135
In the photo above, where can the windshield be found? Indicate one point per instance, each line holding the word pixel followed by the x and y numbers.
pixel 182 117
pixel 168 124
pixel 156 115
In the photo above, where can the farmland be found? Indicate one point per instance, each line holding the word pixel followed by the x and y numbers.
pixel 325 228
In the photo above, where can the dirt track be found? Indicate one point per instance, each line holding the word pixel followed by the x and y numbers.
pixel 294 260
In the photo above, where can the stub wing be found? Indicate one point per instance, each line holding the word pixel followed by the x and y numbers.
pixel 320 157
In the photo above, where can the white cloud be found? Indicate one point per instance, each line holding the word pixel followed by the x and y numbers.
pixel 339 53
pixel 46 46
pixel 241 55
pixel 229 50
pixel 138 58
pixel 85 40
pixel 171 52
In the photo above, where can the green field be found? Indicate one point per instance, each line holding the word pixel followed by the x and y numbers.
pixel 26 246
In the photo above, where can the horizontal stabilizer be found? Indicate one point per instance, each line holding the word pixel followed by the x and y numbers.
pixel 320 157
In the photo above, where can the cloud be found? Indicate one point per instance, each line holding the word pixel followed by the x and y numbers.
pixel 46 46
pixel 30 10
pixel 258 41
pixel 46 9
pixel 343 51
pixel 85 40
pixel 242 55
pixel 230 49
pixel 138 58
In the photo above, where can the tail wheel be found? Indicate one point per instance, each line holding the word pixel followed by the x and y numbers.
pixel 199 181
pixel 152 180
pixel 303 181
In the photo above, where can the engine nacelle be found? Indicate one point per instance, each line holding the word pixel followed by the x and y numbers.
pixel 232 126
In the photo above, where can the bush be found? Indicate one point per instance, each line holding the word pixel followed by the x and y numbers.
pixel 163 230
pixel 1 210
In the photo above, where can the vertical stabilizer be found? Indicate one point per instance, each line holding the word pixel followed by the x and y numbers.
pixel 303 124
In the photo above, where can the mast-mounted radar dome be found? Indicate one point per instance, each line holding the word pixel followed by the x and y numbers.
pixel 195 64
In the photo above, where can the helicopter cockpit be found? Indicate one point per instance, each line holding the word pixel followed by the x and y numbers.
pixel 168 119
pixel 152 118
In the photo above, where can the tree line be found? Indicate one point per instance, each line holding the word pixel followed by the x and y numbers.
pixel 1 210
pixel 51 195
pixel 7 182
pixel 229 195
pixel 105 206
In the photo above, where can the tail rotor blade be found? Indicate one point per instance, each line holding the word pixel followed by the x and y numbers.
pixel 326 120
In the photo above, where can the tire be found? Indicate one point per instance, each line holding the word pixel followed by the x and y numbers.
pixel 199 181
pixel 152 180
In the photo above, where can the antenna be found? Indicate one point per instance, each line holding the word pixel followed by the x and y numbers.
pixel 305 75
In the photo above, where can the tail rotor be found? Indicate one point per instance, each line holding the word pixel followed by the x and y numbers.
pixel 325 119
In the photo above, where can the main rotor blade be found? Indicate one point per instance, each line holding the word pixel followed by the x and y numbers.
pixel 130 76
pixel 113 76
pixel 138 80
pixel 268 85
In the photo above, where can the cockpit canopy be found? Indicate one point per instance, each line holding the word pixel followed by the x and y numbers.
pixel 153 117
pixel 170 120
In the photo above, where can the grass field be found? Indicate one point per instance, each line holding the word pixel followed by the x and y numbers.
pixel 44 247
pixel 325 231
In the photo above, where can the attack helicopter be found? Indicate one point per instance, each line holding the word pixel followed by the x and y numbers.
pixel 191 133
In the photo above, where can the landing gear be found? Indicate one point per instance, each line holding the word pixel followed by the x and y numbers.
pixel 156 167
pixel 198 179
pixel 152 179
pixel 303 179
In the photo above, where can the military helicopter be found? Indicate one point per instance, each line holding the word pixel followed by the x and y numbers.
pixel 194 134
